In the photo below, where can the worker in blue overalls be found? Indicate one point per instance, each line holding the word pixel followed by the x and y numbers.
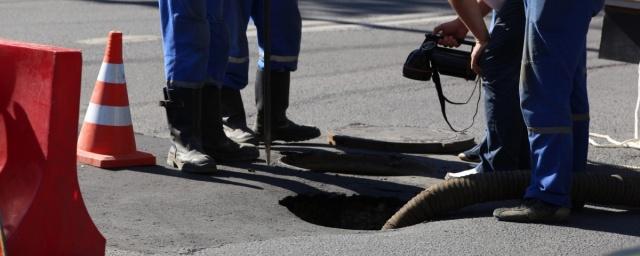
pixel 286 32
pixel 195 45
pixel 553 99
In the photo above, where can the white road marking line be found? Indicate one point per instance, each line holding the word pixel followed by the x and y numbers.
pixel 126 39
pixel 309 26
pixel 384 21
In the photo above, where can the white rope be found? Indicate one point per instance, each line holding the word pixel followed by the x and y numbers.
pixel 635 167
pixel 612 143
pixel 635 134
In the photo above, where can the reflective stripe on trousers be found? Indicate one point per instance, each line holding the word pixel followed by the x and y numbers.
pixel 286 34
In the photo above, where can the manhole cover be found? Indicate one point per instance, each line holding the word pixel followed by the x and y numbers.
pixel 357 212
pixel 359 163
pixel 400 139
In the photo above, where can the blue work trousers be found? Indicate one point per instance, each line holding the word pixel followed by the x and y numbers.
pixel 506 147
pixel 553 94
pixel 195 42
pixel 286 34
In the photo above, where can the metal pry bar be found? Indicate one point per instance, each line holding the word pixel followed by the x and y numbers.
pixel 267 80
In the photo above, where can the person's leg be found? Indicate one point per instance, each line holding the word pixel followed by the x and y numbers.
pixel 556 42
pixel 505 133
pixel 236 15
pixel 215 143
pixel 286 34
pixel 580 111
pixel 554 45
pixel 185 35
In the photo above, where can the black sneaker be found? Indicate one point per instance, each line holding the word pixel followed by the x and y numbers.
pixel 533 211
pixel 471 155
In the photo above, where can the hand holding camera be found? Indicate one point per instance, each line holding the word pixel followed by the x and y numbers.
pixel 429 61
pixel 451 32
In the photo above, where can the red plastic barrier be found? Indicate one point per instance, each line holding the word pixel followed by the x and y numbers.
pixel 2 253
pixel 40 202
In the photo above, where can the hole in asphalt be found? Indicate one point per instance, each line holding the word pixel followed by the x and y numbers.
pixel 357 212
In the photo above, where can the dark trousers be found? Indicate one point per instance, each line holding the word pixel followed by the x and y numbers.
pixel 506 147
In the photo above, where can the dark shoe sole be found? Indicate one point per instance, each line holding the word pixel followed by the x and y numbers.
pixel 289 138
pixel 246 156
pixel 253 141
pixel 560 216
pixel 469 158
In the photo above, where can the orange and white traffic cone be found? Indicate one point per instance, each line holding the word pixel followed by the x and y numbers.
pixel 106 139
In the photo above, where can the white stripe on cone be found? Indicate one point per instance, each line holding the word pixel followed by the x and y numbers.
pixel 108 115
pixel 112 73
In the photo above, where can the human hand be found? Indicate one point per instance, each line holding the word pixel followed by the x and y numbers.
pixel 451 31
pixel 476 54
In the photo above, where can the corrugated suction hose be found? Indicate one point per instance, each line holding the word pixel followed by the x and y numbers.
pixel 435 201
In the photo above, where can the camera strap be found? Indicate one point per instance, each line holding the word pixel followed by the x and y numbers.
pixel 443 99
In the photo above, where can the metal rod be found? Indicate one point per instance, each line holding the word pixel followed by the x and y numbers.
pixel 267 80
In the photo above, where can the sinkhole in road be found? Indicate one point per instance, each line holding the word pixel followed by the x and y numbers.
pixel 335 210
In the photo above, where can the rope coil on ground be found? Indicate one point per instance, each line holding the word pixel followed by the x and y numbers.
pixel 454 194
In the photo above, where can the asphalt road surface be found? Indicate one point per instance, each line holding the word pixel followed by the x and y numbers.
pixel 349 72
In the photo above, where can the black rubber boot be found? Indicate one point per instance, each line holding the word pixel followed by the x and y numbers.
pixel 215 142
pixel 234 120
pixel 183 106
pixel 281 127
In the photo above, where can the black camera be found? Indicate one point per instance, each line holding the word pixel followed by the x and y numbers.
pixel 430 58
pixel 429 61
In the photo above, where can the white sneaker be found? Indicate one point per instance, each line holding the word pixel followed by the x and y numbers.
pixel 453 175
pixel 240 134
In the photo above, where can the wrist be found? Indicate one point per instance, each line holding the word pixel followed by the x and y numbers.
pixel 483 39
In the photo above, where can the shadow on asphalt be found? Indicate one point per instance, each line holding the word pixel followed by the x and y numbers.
pixel 437 168
pixel 162 170
pixel 358 8
pixel 352 8
pixel 594 218
pixel 147 3
pixel 593 166
pixel 251 172
pixel 368 25
pixel 362 186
